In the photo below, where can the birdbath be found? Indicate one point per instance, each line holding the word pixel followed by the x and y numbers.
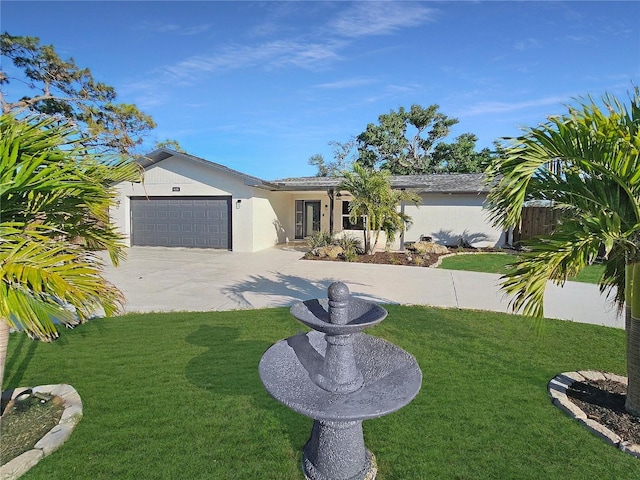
pixel 339 376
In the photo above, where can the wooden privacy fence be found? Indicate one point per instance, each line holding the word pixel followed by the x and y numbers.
pixel 535 221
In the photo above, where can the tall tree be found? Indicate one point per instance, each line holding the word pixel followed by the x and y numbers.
pixel 317 160
pixel 55 219
pixel 60 88
pixel 461 156
pixel 595 181
pixel 170 144
pixel 342 159
pixel 376 202
pixel 411 142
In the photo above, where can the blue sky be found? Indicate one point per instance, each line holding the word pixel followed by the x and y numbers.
pixel 262 86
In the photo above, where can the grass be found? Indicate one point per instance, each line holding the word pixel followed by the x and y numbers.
pixel 498 263
pixel 178 395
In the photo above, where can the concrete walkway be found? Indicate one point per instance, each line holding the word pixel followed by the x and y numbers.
pixel 178 279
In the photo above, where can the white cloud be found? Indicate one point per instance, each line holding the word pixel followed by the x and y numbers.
pixel 269 55
pixel 360 19
pixel 173 28
pixel 195 30
pixel 346 83
pixel 380 18
pixel 580 38
pixel 504 107
pixel 527 44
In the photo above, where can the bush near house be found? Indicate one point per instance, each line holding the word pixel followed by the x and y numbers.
pixel 322 245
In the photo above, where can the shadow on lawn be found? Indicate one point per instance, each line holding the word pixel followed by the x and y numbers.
pixel 229 367
pixel 288 289
pixel 18 360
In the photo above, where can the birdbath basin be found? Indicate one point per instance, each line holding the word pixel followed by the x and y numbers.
pixel 340 316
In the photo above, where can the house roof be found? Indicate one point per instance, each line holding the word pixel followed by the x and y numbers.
pixel 434 183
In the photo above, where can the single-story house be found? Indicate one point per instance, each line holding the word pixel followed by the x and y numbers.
pixel 186 201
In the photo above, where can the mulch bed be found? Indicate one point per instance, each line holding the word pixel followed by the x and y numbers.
pixel 603 401
pixel 400 258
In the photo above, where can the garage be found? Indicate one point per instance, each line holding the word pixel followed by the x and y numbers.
pixel 199 222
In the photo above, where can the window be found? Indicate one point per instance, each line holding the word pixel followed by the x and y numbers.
pixel 346 223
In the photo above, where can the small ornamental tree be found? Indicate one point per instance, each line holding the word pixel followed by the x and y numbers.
pixel 376 202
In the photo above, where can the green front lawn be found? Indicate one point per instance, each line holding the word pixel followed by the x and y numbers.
pixel 499 262
pixel 177 396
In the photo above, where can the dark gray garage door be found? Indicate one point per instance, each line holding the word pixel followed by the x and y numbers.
pixel 203 222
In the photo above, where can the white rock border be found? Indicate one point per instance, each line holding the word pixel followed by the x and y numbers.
pixel 557 388
pixel 54 438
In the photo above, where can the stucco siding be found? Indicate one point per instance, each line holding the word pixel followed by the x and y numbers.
pixel 267 209
pixel 192 179
pixel 449 218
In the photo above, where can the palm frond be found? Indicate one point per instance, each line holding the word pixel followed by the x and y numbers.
pixel 55 201
pixel 42 280
pixel 597 188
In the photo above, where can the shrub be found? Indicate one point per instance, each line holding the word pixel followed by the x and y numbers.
pixel 418 260
pixel 351 247
pixel 320 239
pixel 323 245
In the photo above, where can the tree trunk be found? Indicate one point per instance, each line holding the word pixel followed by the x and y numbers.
pixel 4 343
pixel 366 240
pixel 367 237
pixel 375 242
pixel 632 324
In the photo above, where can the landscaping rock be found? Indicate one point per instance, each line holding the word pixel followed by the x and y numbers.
pixel 616 378
pixel 602 432
pixel 428 247
pixel 331 251
pixel 630 448
pixel 592 375
pixel 601 414
pixel 20 465
pixel 569 408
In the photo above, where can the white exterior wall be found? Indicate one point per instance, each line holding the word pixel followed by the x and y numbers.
pixel 449 217
pixel 446 218
pixel 268 211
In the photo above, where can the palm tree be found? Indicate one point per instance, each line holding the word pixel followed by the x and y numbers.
pixel 376 202
pixel 597 190
pixel 55 199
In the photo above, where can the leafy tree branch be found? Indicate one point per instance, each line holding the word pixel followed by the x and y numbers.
pixel 57 87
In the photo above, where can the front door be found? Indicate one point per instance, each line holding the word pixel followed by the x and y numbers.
pixel 307 218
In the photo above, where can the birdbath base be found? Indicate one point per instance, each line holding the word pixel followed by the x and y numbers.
pixel 336 451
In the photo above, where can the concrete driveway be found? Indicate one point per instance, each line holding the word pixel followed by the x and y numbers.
pixel 179 279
